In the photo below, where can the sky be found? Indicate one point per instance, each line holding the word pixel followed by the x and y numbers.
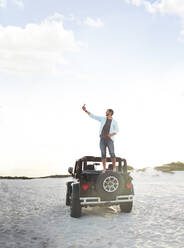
pixel 55 56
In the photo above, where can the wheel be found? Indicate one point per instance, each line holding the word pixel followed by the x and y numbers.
pixel 109 185
pixel 126 207
pixel 75 206
pixel 68 193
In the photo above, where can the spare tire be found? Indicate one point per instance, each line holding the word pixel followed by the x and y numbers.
pixel 109 185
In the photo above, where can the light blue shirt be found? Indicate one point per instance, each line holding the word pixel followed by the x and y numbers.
pixel 114 126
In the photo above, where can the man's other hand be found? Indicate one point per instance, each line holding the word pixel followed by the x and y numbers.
pixel 110 134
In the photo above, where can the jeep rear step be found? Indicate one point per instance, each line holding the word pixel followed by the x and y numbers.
pixel 90 201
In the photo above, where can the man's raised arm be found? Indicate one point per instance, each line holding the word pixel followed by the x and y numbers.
pixel 97 118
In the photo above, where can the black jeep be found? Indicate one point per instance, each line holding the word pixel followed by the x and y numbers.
pixel 91 187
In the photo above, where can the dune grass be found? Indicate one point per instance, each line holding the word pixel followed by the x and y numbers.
pixel 174 166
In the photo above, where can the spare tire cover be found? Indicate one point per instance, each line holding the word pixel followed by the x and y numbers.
pixel 109 185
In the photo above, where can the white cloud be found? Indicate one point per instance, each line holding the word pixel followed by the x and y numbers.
pixel 60 17
pixel 135 2
pixel 173 7
pixel 19 3
pixel 94 23
pixel 3 3
pixel 56 17
pixel 169 7
pixel 71 18
pixel 35 48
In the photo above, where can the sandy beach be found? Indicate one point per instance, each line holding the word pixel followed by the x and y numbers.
pixel 33 215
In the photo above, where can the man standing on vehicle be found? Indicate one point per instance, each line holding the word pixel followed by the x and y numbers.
pixel 108 129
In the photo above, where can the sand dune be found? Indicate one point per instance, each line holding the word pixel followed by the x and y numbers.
pixel 33 215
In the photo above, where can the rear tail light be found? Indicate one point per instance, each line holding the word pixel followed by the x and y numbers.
pixel 85 186
pixel 129 186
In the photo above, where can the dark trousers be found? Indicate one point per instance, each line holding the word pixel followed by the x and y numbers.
pixel 104 143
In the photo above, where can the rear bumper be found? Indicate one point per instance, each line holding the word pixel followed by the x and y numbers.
pixel 95 201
